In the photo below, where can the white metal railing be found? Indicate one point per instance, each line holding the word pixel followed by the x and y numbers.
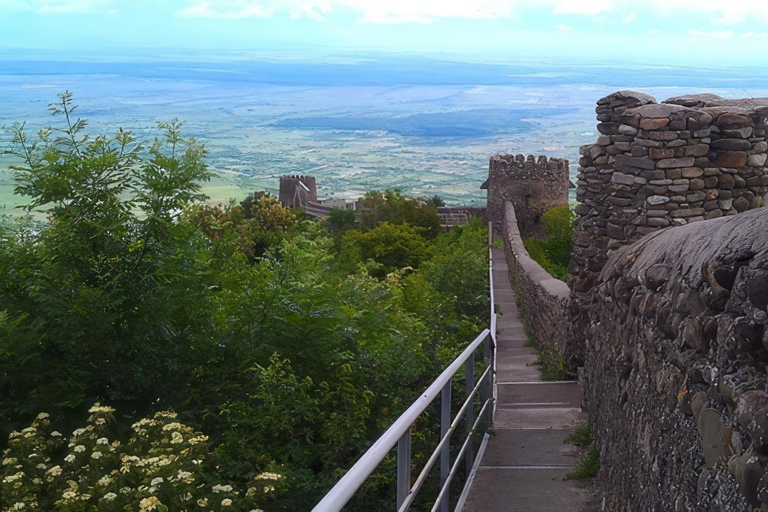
pixel 399 433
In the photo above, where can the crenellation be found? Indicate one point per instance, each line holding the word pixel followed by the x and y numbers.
pixel 534 185
pixel 686 159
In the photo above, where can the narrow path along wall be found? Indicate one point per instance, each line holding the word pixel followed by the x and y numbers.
pixel 544 297
pixel 676 369
pixel 657 165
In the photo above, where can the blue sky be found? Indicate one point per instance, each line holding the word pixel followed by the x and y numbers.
pixel 698 32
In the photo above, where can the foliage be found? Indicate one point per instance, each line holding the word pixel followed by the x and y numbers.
pixel 392 246
pixel 581 437
pixel 551 364
pixel 259 222
pixel 99 271
pixel 289 342
pixel 392 207
pixel 162 467
pixel 589 462
pixel 587 466
pixel 554 253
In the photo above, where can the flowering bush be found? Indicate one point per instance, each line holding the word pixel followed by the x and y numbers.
pixel 161 468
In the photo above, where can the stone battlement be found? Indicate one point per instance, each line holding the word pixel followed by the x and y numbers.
pixel 534 186
pixel 665 164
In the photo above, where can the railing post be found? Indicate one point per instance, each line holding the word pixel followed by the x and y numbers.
pixel 445 453
pixel 403 467
pixel 470 417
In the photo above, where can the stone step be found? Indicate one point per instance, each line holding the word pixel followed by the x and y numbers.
pixel 514 365
pixel 538 395
pixel 530 448
pixel 525 489
pixel 556 418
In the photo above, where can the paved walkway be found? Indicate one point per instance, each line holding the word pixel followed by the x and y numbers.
pixel 525 463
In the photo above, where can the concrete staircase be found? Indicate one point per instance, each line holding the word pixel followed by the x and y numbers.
pixel 525 463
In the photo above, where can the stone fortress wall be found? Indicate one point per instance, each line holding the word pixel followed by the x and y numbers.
pixel 675 375
pixel 656 165
pixel 533 186
pixel 667 317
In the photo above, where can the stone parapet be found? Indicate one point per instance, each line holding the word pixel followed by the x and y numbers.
pixel 675 375
pixel 657 165
pixel 545 298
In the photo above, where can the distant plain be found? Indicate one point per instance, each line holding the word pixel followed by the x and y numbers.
pixel 427 126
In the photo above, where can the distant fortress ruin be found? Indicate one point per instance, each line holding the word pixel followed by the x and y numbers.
pixel 665 310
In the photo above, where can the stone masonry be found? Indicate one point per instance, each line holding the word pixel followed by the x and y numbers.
pixel 657 165
pixel 533 186
pixel 675 377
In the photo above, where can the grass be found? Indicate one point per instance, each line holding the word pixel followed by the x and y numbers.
pixel 581 437
pixel 551 364
pixel 589 462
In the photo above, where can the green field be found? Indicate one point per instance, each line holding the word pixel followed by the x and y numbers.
pixel 220 189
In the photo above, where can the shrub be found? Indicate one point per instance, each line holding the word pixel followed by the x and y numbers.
pixel 554 253
pixel 162 467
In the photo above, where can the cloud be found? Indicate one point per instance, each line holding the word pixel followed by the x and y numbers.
pixel 55 6
pixel 370 11
pixel 563 28
pixel 588 7
pixel 717 34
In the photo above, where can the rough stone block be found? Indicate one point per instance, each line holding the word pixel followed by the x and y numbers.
pixel 660 153
pixel 654 123
pixel 670 163
pixel 757 160
pixel 732 144
pixel 692 172
pixel 697 150
pixel 732 159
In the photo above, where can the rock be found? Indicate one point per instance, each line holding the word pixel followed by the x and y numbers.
pixel 659 153
pixel 670 163
pixel 657 111
pixel 658 222
pixel 732 144
pixel 629 161
pixel 654 123
pixel 730 120
pixel 697 150
pixel 741 133
pixel 625 129
pixel 623 179
pixel 715 436
pixel 726 181
pixel 761 147
pixel 691 212
pixel 732 159
pixel 747 404
pixel 757 160
pixel 696 184
pixel 692 172
pixel 608 128
pixel 741 204
pixel 654 200
pixel 747 472
pixel 726 204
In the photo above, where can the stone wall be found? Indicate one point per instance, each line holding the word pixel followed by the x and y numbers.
pixel 657 165
pixel 533 186
pixel 544 296
pixel 675 376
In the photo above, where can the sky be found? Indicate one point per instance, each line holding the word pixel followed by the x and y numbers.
pixel 713 33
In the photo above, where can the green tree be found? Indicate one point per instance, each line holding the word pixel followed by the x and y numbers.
pixel 393 246
pixel 113 286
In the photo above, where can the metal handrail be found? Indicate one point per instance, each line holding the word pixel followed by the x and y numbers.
pixel 399 433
